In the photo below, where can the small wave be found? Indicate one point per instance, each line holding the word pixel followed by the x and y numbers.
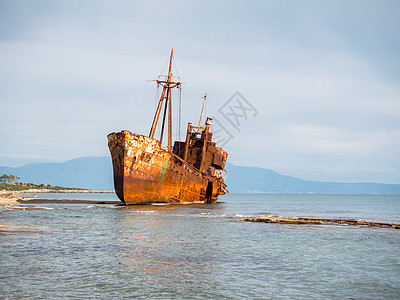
pixel 144 212
pixel 104 206
pixel 244 216
pixel 239 215
pixel 95 205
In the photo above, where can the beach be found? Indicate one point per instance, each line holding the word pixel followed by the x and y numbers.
pixel 8 197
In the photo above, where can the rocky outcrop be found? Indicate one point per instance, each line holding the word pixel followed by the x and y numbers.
pixel 317 221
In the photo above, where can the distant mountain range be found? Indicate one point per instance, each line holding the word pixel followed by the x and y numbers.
pixel 84 172
pixel 259 180
pixel 96 173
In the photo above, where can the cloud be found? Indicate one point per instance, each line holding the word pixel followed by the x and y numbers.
pixel 324 77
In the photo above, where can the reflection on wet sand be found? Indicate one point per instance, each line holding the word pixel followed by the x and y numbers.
pixel 11 229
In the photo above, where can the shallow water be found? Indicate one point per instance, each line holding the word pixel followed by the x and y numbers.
pixel 202 251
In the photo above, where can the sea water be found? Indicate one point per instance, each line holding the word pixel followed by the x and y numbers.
pixel 203 251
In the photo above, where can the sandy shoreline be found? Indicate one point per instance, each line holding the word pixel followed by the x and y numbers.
pixel 8 198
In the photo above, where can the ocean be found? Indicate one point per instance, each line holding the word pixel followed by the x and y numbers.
pixel 201 251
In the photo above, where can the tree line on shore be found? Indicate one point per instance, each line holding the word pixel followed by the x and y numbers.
pixel 9 179
pixel 11 182
pixel 12 179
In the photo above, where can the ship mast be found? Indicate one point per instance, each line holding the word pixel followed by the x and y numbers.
pixel 201 114
pixel 165 95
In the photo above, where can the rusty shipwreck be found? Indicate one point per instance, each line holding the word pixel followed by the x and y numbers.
pixel 147 172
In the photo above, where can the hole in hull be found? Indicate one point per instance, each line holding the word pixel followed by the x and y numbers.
pixel 209 192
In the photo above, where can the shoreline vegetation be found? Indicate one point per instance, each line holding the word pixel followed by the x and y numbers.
pixel 42 188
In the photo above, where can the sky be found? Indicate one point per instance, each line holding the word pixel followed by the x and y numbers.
pixel 309 89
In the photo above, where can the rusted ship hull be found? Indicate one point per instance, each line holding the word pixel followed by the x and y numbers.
pixel 145 173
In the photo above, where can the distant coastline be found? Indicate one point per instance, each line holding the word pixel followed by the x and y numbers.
pixel 95 173
pixel 36 188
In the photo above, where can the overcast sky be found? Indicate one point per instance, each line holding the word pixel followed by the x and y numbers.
pixel 322 79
